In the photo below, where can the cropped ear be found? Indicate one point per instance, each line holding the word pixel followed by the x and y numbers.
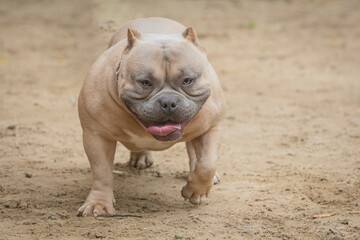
pixel 132 37
pixel 190 35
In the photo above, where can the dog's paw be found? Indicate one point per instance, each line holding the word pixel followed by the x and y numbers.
pixel 97 204
pixel 96 208
pixel 141 160
pixel 196 193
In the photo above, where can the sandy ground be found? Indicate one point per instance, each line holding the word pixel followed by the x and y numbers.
pixel 291 74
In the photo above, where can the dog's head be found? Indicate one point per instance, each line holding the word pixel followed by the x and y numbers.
pixel 163 80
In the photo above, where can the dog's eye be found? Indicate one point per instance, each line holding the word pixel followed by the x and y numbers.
pixel 146 83
pixel 187 81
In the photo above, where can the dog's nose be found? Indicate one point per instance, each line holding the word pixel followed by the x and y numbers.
pixel 168 104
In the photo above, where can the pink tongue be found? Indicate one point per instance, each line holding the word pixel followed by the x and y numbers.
pixel 163 130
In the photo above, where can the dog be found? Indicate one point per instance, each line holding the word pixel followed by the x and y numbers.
pixel 152 88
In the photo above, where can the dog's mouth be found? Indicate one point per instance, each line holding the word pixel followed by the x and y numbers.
pixel 165 131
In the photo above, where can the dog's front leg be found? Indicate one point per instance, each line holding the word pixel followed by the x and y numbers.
pixel 201 177
pixel 100 152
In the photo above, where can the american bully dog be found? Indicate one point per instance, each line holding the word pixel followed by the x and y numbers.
pixel 152 88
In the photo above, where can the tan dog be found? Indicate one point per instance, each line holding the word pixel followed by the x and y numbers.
pixel 152 88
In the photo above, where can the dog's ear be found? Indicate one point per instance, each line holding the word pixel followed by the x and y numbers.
pixel 132 37
pixel 190 35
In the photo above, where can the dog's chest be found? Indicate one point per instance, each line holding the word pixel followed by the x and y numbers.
pixel 144 142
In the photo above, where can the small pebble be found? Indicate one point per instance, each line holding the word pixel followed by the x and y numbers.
pixel 119 173
pixel 345 222
pixel 11 127
pixel 52 217
pixel 23 204
pixel 178 236
pixel 12 204
pixel 73 101
pixel 28 175
pixel 146 206
pixel 159 174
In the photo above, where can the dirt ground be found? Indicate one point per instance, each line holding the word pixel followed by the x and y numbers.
pixel 291 150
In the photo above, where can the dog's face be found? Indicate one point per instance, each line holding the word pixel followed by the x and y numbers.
pixel 164 82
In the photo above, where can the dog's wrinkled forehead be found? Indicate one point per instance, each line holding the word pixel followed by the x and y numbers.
pixel 164 56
